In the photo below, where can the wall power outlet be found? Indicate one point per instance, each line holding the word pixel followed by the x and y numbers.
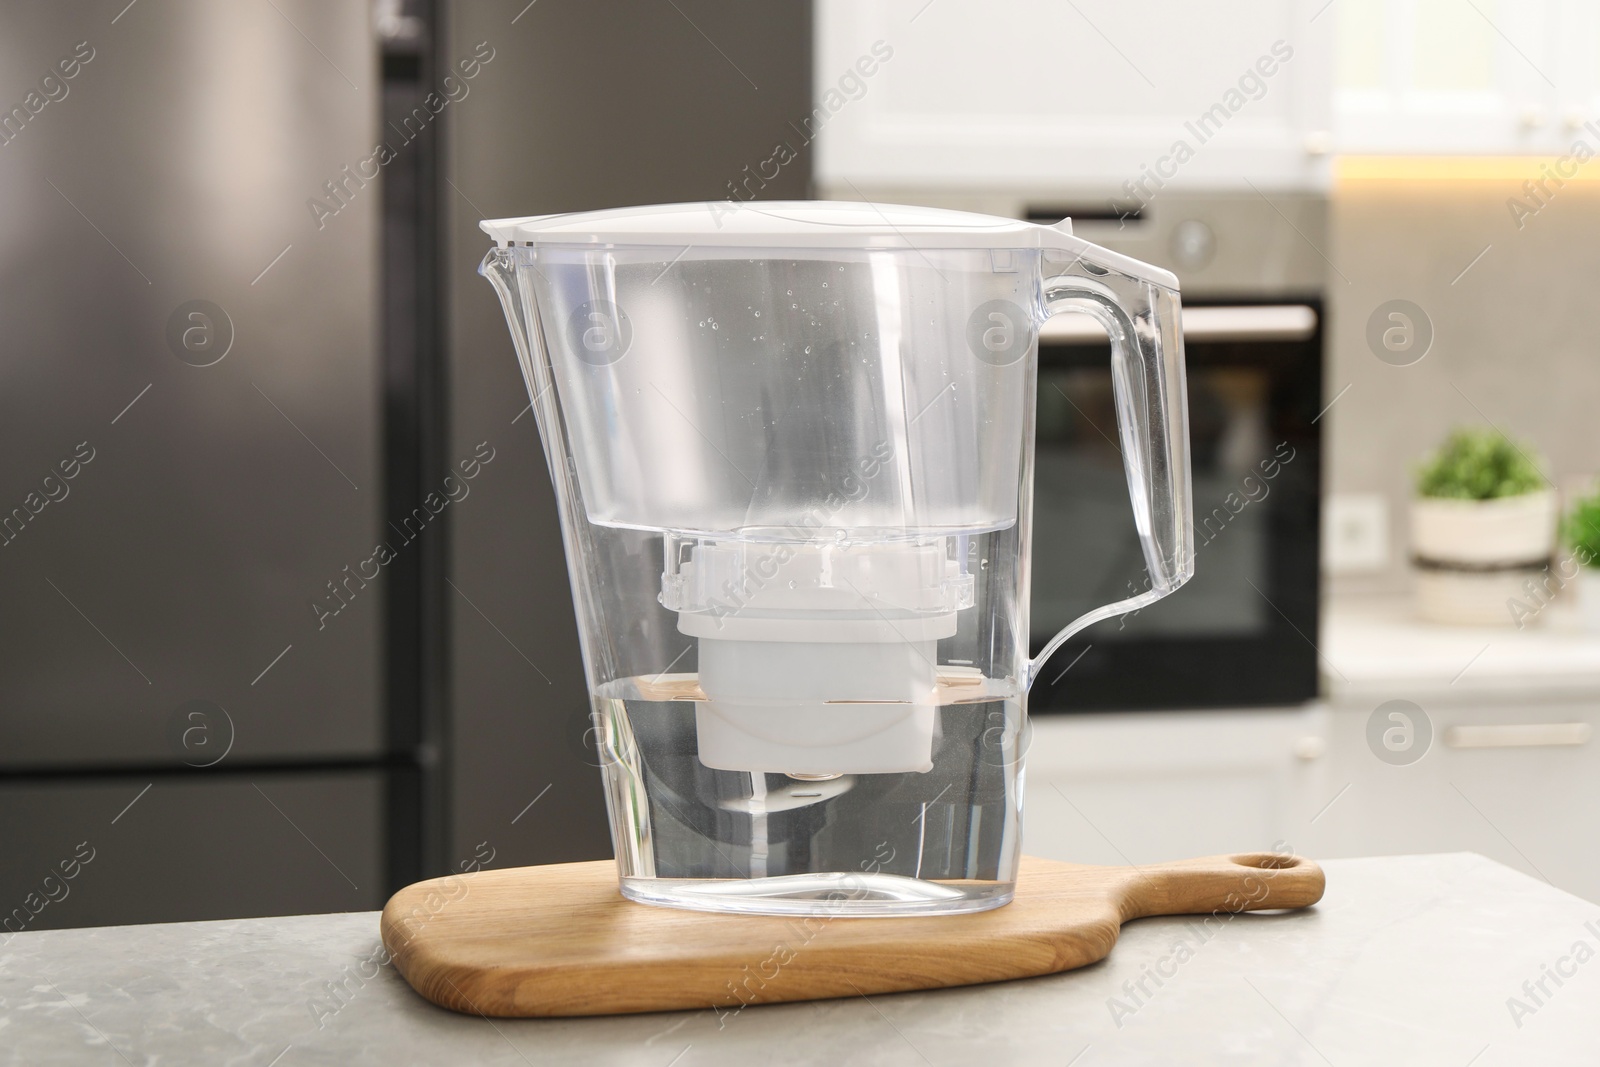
pixel 1355 533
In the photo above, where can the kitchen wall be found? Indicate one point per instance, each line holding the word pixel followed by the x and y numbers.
pixel 1513 337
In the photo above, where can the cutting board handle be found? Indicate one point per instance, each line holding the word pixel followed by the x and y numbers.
pixel 1251 881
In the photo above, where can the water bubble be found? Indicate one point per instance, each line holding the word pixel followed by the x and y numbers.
pixel 808 350
pixel 824 285
pixel 788 292
pixel 794 307
pixel 714 326
pixel 758 314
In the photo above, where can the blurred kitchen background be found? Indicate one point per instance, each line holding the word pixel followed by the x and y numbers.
pixel 288 621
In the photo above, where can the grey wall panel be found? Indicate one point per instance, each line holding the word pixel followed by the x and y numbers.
pixel 585 105
pixel 188 848
pixel 181 560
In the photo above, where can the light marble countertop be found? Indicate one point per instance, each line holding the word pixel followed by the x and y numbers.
pixel 1408 960
pixel 1377 646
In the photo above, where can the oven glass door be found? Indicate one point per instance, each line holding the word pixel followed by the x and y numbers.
pixel 1243 630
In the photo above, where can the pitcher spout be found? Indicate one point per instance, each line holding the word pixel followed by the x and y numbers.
pixel 499 266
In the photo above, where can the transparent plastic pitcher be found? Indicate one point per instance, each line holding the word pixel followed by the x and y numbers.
pixel 792 445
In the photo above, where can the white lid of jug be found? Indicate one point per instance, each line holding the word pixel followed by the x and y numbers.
pixel 777 224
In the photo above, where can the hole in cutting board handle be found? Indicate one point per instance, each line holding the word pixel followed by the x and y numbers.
pixel 1267 861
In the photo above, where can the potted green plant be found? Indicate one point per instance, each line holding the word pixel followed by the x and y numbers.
pixel 1482 523
pixel 1582 533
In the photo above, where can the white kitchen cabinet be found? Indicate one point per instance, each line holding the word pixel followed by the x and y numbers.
pixel 1513 768
pixel 1577 72
pixel 1106 97
pixel 1459 77
pixel 1143 787
pixel 1516 781
pixel 1091 94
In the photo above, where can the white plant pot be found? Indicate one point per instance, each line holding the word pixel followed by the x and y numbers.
pixel 1475 556
pixel 1509 531
pixel 1589 597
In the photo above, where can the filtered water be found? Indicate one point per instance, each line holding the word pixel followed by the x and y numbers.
pixel 943 840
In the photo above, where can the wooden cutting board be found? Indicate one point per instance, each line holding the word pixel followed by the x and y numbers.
pixel 561 940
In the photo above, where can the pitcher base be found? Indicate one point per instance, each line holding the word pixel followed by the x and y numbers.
pixel 834 894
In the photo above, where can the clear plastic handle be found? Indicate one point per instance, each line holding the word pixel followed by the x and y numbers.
pixel 1139 307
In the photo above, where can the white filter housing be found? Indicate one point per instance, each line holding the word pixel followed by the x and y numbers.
pixel 818 658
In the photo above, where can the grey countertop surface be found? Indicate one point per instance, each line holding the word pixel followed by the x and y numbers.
pixel 1408 960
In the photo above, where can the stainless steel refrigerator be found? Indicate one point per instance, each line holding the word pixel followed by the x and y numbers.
pixel 288 622
pixel 193 708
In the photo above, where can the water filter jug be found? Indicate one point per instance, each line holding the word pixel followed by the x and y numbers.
pixel 792 447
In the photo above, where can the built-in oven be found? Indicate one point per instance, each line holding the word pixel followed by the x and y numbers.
pixel 1252 263
pixel 1243 630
